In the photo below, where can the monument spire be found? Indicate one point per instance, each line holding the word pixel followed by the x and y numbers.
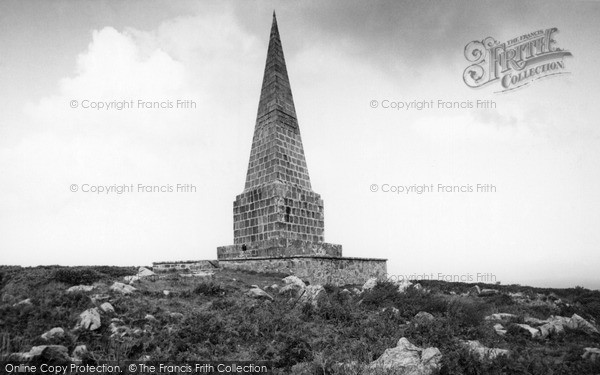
pixel 277 153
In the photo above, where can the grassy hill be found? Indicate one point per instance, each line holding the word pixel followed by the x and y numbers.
pixel 176 318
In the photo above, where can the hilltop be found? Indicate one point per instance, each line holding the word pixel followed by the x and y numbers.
pixel 225 315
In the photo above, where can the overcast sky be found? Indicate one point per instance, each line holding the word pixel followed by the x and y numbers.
pixel 540 146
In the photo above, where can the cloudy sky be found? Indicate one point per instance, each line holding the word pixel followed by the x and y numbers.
pixel 540 146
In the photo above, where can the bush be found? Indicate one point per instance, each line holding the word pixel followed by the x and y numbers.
pixel 209 289
pixel 77 276
pixel 466 312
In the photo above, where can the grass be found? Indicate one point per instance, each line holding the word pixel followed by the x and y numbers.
pixel 340 335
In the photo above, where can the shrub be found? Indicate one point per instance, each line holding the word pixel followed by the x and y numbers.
pixel 77 276
pixel 209 289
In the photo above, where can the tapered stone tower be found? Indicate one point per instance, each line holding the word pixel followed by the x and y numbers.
pixel 278 214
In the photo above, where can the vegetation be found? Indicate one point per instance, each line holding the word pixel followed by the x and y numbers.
pixel 217 321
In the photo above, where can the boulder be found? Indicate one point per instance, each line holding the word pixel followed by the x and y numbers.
pixel 534 321
pixel 150 318
pixel 533 331
pixel 80 288
pixel 89 319
pixel 407 358
pixel 593 354
pixel 54 334
pixel 293 285
pixel 258 294
pixel 499 328
pixel 483 352
pixel 403 285
pixel 122 288
pixel 176 315
pixel 131 279
pixel 370 284
pixel 311 294
pixel 23 303
pixel 166 293
pixel 97 298
pixel 583 325
pixel 107 308
pixel 48 354
pixel 500 316
pixel 144 272
pixel 79 353
pixel 474 290
pixel 418 286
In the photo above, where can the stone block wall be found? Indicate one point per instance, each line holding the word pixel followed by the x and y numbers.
pixel 185 266
pixel 316 270
pixel 279 247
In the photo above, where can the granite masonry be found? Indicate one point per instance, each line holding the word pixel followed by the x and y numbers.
pixel 278 220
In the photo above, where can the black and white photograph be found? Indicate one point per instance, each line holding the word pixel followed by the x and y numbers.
pixel 300 187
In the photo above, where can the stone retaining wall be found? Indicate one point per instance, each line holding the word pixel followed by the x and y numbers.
pixel 185 266
pixel 316 270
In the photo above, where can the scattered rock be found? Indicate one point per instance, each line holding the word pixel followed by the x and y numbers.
pixel 131 279
pixel 418 286
pixel 593 354
pixel 474 290
pixel 97 298
pixel 144 358
pixel 80 288
pixel 23 303
pixel 258 293
pixel 49 354
pixel 54 333
pixel 144 272
pixel 122 288
pixel 499 328
pixel 275 287
pixel 293 285
pixel 176 315
pixel 370 284
pixel 356 291
pixel 107 308
pixel 407 358
pixel 79 353
pixel 583 325
pixel 403 285
pixel 117 329
pixel 500 316
pixel 483 352
pixel 150 318
pixel 89 319
pixel 311 294
pixel 534 321
pixel 166 293
pixel 533 331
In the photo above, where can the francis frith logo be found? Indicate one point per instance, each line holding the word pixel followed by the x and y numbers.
pixel 515 63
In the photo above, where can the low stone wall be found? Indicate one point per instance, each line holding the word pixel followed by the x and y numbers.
pixel 185 266
pixel 316 270
pixel 280 247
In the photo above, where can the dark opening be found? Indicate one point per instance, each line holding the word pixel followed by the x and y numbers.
pixel 244 248
pixel 287 214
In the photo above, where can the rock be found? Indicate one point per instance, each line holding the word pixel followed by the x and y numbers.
pixel 118 330
pixel 407 358
pixel 144 358
pixel 259 294
pixel 422 318
pixel 89 319
pixel 593 354
pixel 293 285
pixel 294 280
pixel 534 321
pixel 144 272
pixel 274 287
pixel 150 318
pixel 483 352
pixel 54 333
pixel 122 288
pixel 79 353
pixel 370 284
pixel 488 292
pixel 356 291
pixel 166 293
pixel 311 294
pixel 418 286
pixel 583 325
pixel 176 315
pixel 97 298
pixel 499 328
pixel 403 285
pixel 533 331
pixel 107 308
pixel 131 279
pixel 474 290
pixel 80 288
pixel 48 354
pixel 501 316
pixel 23 303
